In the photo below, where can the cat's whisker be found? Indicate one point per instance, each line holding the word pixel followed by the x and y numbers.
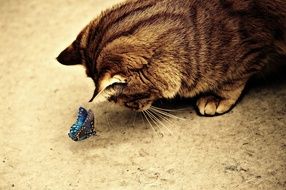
pixel 159 121
pixel 146 117
pixel 169 110
pixel 134 119
pixel 167 114
pixel 163 117
pixel 108 121
pixel 155 122
pixel 161 113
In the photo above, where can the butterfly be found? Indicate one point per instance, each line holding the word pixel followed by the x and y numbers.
pixel 84 125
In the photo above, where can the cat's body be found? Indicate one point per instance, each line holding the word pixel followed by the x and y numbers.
pixel 144 50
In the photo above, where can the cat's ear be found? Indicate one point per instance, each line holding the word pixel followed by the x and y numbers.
pixel 101 94
pixel 70 56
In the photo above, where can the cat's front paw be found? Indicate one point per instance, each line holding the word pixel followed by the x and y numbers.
pixel 211 105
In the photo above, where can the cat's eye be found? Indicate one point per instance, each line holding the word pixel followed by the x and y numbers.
pixel 117 86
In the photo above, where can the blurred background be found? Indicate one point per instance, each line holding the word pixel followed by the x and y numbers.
pixel 244 149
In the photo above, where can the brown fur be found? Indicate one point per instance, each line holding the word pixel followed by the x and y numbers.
pixel 167 48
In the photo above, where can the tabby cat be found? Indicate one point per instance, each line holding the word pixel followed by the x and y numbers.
pixel 143 50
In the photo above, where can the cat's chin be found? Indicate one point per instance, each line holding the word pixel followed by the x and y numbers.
pixel 145 108
pixel 140 109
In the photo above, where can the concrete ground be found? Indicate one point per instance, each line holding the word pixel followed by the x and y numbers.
pixel 244 149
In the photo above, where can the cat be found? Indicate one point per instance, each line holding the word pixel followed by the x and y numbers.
pixel 140 51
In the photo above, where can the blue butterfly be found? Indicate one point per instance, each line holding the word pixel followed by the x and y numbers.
pixel 84 126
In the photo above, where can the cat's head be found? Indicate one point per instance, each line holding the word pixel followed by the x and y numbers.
pixel 124 70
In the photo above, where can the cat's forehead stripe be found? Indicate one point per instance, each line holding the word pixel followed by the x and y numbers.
pixel 114 17
pixel 117 14
pixel 84 38
pixel 135 20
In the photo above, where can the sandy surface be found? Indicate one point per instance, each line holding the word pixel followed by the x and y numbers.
pixel 245 149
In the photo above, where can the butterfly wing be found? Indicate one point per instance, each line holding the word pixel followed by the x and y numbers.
pixel 82 114
pixel 84 127
pixel 87 129
pixel 76 128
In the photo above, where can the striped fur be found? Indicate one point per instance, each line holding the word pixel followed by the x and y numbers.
pixel 168 48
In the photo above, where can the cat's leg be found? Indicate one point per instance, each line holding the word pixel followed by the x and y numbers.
pixel 223 100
